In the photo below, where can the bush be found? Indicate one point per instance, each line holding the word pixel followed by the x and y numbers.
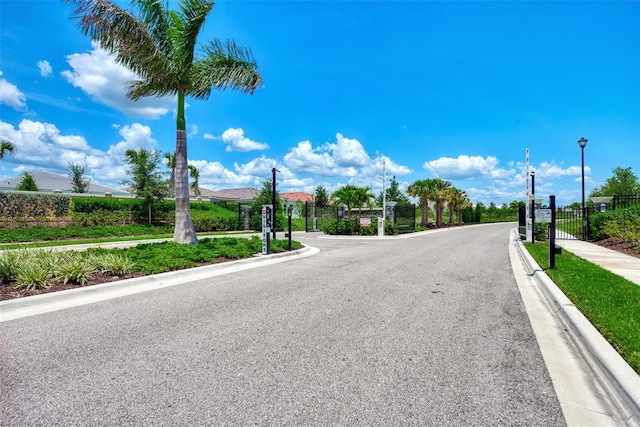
pixel 541 231
pixel 341 227
pixel 623 223
pixel 214 220
pixel 28 205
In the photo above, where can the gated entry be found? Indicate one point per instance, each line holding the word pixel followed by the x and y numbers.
pixel 570 223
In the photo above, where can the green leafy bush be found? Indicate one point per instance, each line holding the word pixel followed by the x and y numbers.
pixel 541 231
pixel 31 205
pixel 623 223
pixel 341 227
pixel 214 219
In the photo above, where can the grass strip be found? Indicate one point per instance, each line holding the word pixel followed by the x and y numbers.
pixel 610 302
pixel 50 243
pixel 153 258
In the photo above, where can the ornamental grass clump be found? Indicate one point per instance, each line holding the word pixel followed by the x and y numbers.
pixel 73 267
pixel 34 269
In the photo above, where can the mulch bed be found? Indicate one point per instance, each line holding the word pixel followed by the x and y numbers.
pixel 620 245
pixel 7 292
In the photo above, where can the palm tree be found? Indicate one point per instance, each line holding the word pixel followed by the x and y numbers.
pixel 458 201
pixel 423 190
pixel 194 173
pixel 440 190
pixel 171 164
pixel 352 196
pixel 5 146
pixel 158 44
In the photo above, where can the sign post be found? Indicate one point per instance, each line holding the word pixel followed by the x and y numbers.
pixel 552 233
pixel 289 214
pixel 266 229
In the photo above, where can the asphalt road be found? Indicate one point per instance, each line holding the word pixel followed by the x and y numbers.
pixel 428 330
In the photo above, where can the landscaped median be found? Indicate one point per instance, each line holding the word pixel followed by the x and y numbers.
pixel 610 302
pixel 26 272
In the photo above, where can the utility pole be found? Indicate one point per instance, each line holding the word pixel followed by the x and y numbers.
pixel 273 201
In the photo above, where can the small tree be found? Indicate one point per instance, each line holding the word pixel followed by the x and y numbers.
pixel 353 197
pixel 194 173
pixel 27 183
pixel 321 197
pixel 170 159
pixel 393 194
pixel 5 147
pixel 265 198
pixel 623 181
pixel 146 180
pixel 79 184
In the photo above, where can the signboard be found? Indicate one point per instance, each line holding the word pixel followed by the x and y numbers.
pixel 266 228
pixel 543 215
pixel 365 222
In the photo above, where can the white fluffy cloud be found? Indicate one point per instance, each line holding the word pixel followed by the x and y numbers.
pixel 551 170
pixel 98 75
pixel 10 95
pixel 40 145
pixel 463 167
pixel 236 141
pixel 349 152
pixel 345 158
pixel 45 68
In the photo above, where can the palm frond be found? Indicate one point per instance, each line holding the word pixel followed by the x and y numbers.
pixel 193 14
pixel 154 15
pixel 225 66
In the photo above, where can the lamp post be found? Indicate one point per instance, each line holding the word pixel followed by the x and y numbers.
pixel 273 201
pixel 532 206
pixel 582 142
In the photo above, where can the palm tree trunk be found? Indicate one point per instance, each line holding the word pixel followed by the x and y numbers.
pixel 183 231
pixel 425 214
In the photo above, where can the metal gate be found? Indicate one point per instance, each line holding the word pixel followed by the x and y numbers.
pixel 572 224
pixel 405 218
pixel 316 216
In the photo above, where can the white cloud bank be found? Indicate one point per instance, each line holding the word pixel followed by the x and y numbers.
pixel 236 141
pixel 12 96
pixel 98 75
pixel 40 145
pixel 345 158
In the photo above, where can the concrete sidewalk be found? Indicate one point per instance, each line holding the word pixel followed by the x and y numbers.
pixel 623 265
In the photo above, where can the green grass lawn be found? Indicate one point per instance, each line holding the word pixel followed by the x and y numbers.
pixel 610 302
pixel 41 268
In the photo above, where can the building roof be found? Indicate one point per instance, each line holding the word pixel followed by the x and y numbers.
pixel 233 194
pixel 297 196
pixel 49 181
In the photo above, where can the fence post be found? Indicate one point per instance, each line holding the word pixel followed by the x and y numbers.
pixel 552 233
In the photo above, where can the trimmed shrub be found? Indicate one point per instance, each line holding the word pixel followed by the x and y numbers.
pixel 31 205
pixel 623 223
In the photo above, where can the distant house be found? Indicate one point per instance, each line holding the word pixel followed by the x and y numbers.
pixel 49 182
pixel 296 196
pixel 298 199
pixel 235 195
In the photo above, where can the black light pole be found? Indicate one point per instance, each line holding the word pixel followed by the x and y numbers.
pixel 273 201
pixel 533 206
pixel 582 142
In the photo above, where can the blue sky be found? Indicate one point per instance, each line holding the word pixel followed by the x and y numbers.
pixel 456 90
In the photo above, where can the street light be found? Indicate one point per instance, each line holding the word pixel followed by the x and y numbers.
pixel 582 142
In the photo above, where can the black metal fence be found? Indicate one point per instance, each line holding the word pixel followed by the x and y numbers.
pixel 570 225
pixel 405 218
pixel 316 216
pixel 624 201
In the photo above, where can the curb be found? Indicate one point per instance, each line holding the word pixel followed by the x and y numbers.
pixel 44 303
pixel 617 375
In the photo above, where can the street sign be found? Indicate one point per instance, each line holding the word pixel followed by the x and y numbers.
pixel 543 215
